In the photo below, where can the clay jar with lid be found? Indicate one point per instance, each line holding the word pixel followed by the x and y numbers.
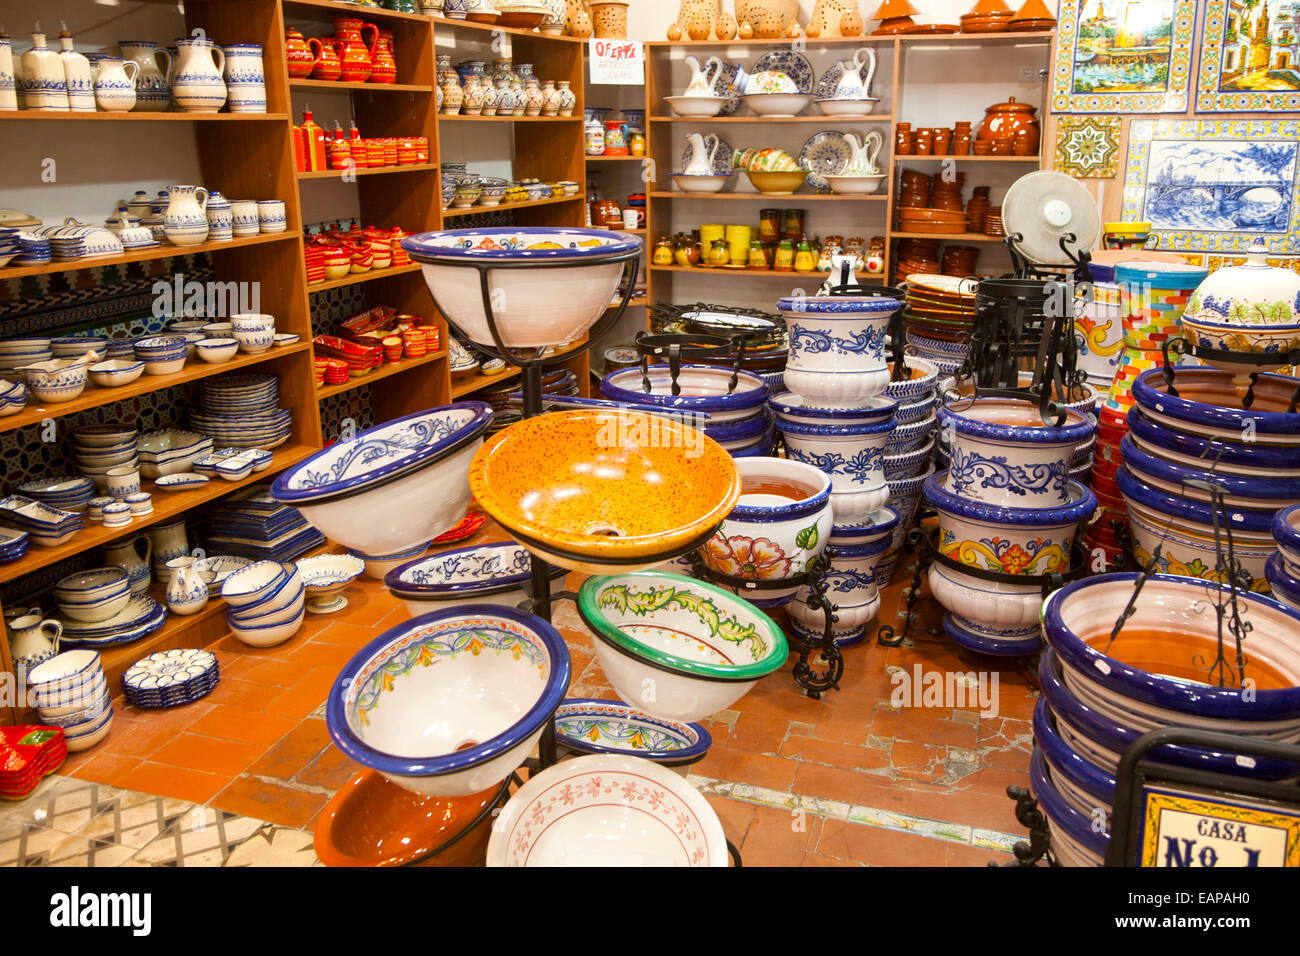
pixel 1004 120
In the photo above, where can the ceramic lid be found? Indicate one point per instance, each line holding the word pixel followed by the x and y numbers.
pixel 1251 294
pixel 1011 106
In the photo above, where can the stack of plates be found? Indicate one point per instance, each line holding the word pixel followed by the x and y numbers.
pixel 27 754
pixel 141 617
pixel 254 525
pixel 13 545
pixel 15 353
pixel 68 493
pixel 71 693
pixel 9 248
pixel 940 309
pixel 171 678
pixel 241 410
pixel 45 526
pixel 331 371
pixel 34 249
pixel 78 241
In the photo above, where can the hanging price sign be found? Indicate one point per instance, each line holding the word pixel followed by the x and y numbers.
pixel 616 62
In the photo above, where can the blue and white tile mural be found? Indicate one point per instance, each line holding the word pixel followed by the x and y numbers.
pixel 1214 185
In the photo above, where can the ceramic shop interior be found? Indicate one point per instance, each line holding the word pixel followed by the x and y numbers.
pixel 386 403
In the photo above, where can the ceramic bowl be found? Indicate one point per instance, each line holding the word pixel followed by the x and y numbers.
pixel 216 350
pixel 254 342
pixel 1286 532
pixel 84 736
pixel 252 584
pixel 792 408
pixel 591 490
pixel 691 183
pixel 702 648
pixel 1208 406
pixel 1284 582
pixel 696 105
pixel 769 536
pixel 90 586
pixel 704 388
pixel 1075 839
pixel 1247 492
pixel 268 635
pixel 325 575
pixel 51 385
pixel 373 822
pixel 575 276
pixel 777 183
pixel 777 104
pixel 605 810
pixel 589 726
pixel 391 487
pixel 116 372
pixel 1245 458
pixel 855 185
pixel 65 675
pixel 464 724
pixel 284 606
pixel 852 455
pixel 378 565
pixel 481 574
pixel 863 106
pixel 252 322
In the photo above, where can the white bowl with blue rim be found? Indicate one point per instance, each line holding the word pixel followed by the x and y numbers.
pixel 1207 405
pixel 703 388
pixel 481 574
pixel 993 617
pixel 590 726
pixel 116 372
pixel 53 382
pixel 570 279
pixel 216 350
pixel 251 584
pixel 1286 532
pixel 1283 581
pixel 254 342
pixel 852 455
pixel 104 438
pixel 463 724
pixel 267 634
pixel 391 487
pixel 324 576
pixel 792 408
pixel 1239 491
pixel 1244 458
pixel 68 492
pixel 285 605
pixel 58 680
pixel 769 536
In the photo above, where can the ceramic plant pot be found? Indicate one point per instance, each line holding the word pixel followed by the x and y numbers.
pixel 771 535
pixel 852 584
pixel 853 457
pixel 839 334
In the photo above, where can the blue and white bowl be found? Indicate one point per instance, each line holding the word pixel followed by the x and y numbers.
pixel 1208 406
pixel 584 725
pixel 704 388
pixel 462 725
pixel 792 408
pixel 1283 582
pixel 1235 457
pixel 497 574
pixel 53 382
pixel 853 457
pixel 910 437
pixel 1286 532
pixel 394 486
pixel 1271 492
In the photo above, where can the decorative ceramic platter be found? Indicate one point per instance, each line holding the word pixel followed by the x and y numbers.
pixel 169 669
pixel 721 159
pixel 722 87
pixel 793 65
pixel 180 482
pixel 825 154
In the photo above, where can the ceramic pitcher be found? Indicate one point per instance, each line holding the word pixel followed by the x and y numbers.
pixel 115 84
pixel 8 88
pixel 384 68
pixel 197 86
pixel 187 592
pixel 702 79
pixel 862 161
pixel 77 76
pixel 245 78
pixel 298 53
pixel 354 53
pixel 44 84
pixel 34 638
pixel 168 542
pixel 153 84
pixel 127 556
pixel 186 220
pixel 853 84
pixel 701 163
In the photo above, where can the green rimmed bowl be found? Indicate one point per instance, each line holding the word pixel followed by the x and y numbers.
pixel 680 649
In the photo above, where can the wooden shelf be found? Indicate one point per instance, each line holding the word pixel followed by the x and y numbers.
pixel 333 8
pixel 527 204
pixel 767 197
pixel 142 117
pixel 946 236
pixel 751 120
pixel 460 118
pixel 195 370
pixel 343 87
pixel 367 171
pixel 636 302
pixel 166 504
pixel 363 277
pixel 613 159
pixel 750 273
pixel 472 383
pixel 775 42
pixel 977 39
pixel 488 29
pixel 912 157
pixel 144 255
pixel 378 375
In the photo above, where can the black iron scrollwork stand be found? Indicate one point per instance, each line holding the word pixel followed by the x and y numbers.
pixel 1183 346
pixel 1031 818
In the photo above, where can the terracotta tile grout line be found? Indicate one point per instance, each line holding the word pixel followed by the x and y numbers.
pixel 945 831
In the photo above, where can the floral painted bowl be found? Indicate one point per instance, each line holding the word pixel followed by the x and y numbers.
pixel 571 278
pixel 450 703
pixel 592 726
pixel 600 491
pixel 484 574
pixel 391 487
pixel 704 388
pixel 853 457
pixel 607 810
pixel 700 647
pixel 770 535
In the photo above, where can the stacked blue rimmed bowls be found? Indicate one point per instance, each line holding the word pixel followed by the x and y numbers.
pixel 95 595
pixel 1283 568
pixel 72 693
pixel 68 493
pixel 162 354
pixel 45 526
pixel 15 353
pixel 9 247
pixel 97 448
pixel 171 678
pixel 34 250
pixel 908 464
pixel 243 411
pixel 13 544
pixel 265 602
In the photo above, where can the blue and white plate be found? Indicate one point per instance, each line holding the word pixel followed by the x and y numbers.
pixel 166 670
pixel 825 154
pixel 722 87
pixel 181 482
pixel 793 65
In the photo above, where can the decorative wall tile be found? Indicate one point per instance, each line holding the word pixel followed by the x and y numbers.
pixel 1123 56
pixel 1087 147
pixel 1250 57
pixel 355 406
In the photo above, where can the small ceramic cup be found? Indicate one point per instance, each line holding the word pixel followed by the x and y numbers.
pixel 117 514
pixel 122 482
pixel 140 503
pixel 244 218
pixel 95 509
pixel 271 215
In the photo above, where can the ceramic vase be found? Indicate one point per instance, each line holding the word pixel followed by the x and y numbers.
pixel 115 84
pixel 491 97
pixel 127 556
pixel 153 83
pixel 8 85
pixel 532 97
pixel 298 54
pixel 565 99
pixel 44 84
pixel 168 541
pixel 187 592
pixel 355 55
pixel 453 96
pixel 221 218
pixel 186 221
pixel 549 107
pixel 197 86
pixel 518 97
pixel 472 96
pixel 245 78
pixel 77 76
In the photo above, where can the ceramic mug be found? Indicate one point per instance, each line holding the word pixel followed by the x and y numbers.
pixel 123 482
pixel 244 217
pixel 271 215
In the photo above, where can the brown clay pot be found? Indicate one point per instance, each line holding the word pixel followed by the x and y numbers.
pixel 1002 120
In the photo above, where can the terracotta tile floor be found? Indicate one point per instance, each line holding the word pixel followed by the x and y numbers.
pixel 841 781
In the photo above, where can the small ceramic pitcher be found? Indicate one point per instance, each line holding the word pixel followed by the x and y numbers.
pixel 853 84
pixel 702 78
pixel 186 221
pixel 35 638
pixel 187 592
pixel 197 86
pixel 153 84
pixel 701 163
pixel 862 161
pixel 115 84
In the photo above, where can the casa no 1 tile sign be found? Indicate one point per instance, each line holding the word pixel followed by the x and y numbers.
pixel 1215 185
pixel 1250 57
pixel 1123 56
pixel 1087 147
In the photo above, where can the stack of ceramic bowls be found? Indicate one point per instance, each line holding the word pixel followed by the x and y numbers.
pixel 252 524
pixel 265 603
pixel 836 416
pixel 940 312
pixel 28 754
pixel 72 693
pixel 34 249
pixel 15 353
pixel 93 596
pixel 67 493
pixel 1006 505
pixel 9 247
pixel 242 410
pixel 1283 569
pixel 736 417
pixel 46 527
pixel 171 678
pixel 917 398
pixel 482 574
pixel 162 354
pixel 13 545
pixel 97 448
pixel 13 397
pixel 1098 699
pixel 75 346
pixel 1152 298
pixel 851 581
pixel 1177 442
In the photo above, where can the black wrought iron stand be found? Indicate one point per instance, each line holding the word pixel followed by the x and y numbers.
pixel 1183 346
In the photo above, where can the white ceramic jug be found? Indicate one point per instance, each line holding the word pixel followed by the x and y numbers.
pixel 34 638
pixel 186 220
pixel 197 86
pixel 702 79
pixel 245 80
pixel 187 592
pixel 168 542
pixel 863 162
pixel 126 555
pixel 115 84
pixel 701 163
pixel 153 85
pixel 853 85
pixel 8 88
pixel 44 84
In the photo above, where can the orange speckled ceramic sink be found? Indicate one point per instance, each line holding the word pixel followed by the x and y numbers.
pixel 603 491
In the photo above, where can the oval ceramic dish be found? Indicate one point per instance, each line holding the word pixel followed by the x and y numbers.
pixel 612 727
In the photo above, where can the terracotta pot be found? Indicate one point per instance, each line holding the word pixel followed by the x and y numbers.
pixel 750 11
pixel 609 19
pixel 1003 120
